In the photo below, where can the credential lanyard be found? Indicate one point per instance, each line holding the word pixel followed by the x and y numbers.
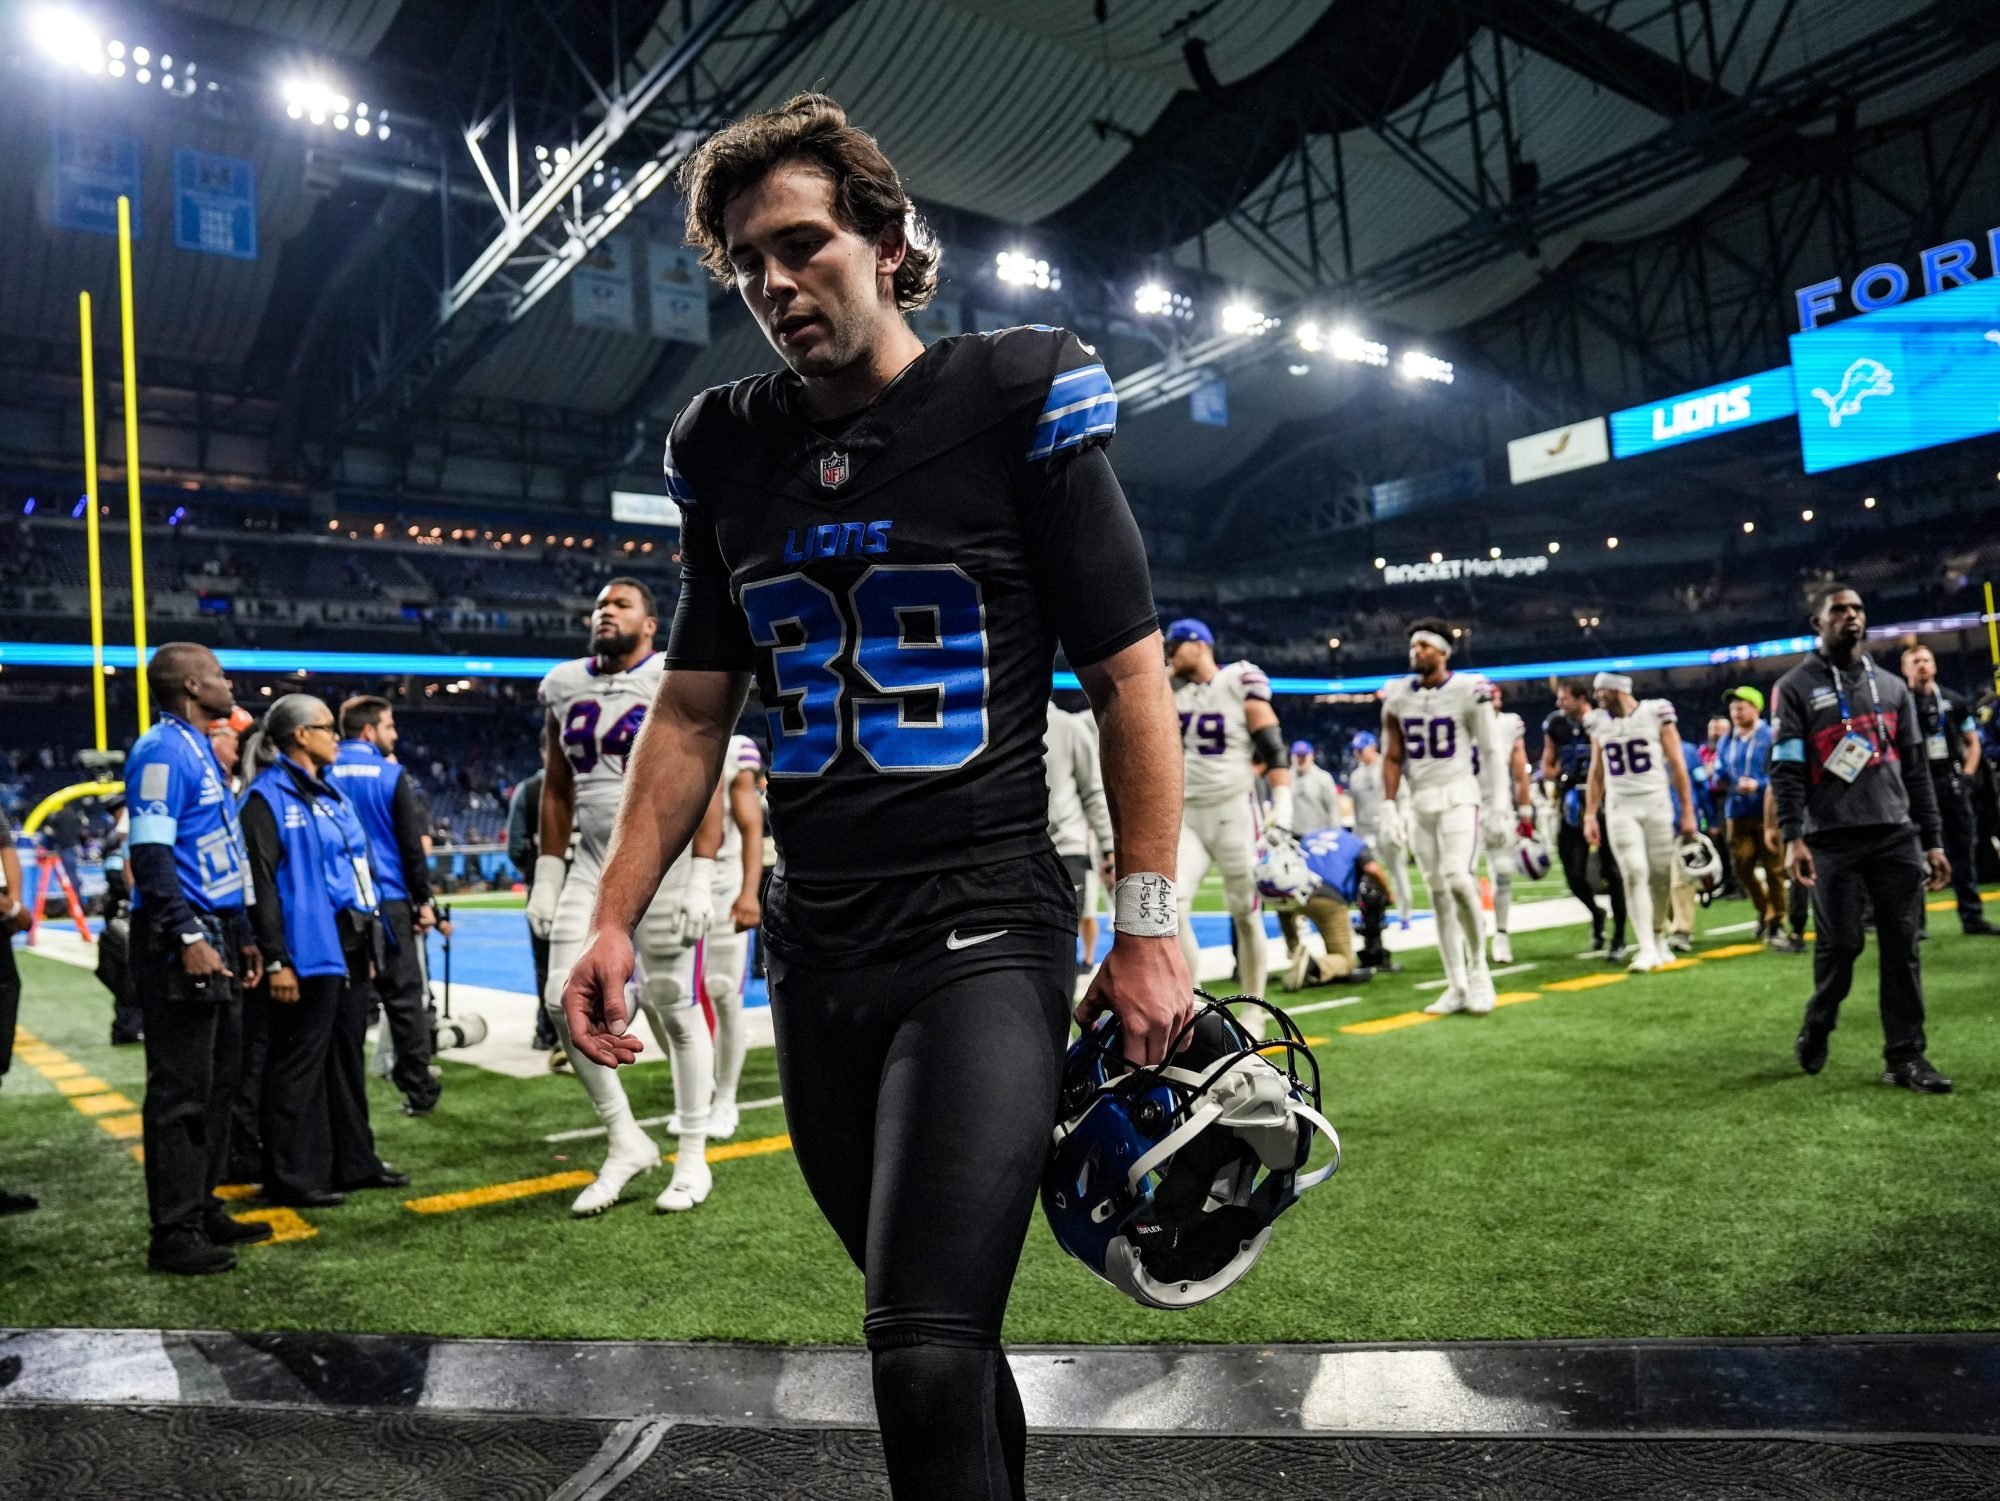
pixel 1874 703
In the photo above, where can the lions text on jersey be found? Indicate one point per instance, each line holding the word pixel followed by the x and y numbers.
pixel 1215 733
pixel 1635 766
pixel 899 583
pixel 1441 728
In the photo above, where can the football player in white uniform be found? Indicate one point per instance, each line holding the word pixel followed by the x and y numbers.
pixel 1507 824
pixel 735 913
pixel 595 706
pixel 1433 723
pixel 1635 756
pixel 1225 712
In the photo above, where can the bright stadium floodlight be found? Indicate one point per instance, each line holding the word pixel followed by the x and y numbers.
pixel 1492 552
pixel 1805 515
pixel 1244 318
pixel 1350 346
pixel 1419 366
pixel 67 37
pixel 1309 337
pixel 1152 301
pixel 1019 269
pixel 1437 557
pixel 1554 548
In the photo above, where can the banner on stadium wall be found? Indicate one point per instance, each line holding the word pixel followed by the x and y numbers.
pixel 642 508
pixel 1558 451
pixel 1723 408
pixel 1910 376
pixel 600 288
pixel 89 171
pixel 215 204
pixel 943 319
pixel 1449 570
pixel 1419 492
pixel 1208 404
pixel 677 291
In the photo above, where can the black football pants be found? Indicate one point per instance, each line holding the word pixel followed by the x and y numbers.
pixel 1883 865
pixel 1574 852
pixel 921 1093
pixel 1954 802
pixel 315 1103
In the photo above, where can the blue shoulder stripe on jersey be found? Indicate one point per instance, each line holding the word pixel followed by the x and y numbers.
pixel 1789 750
pixel 1081 405
pixel 677 486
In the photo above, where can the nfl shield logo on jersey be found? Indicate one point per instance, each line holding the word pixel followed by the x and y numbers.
pixel 833 470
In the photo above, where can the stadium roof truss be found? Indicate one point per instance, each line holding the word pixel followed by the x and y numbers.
pixel 1460 137
pixel 614 96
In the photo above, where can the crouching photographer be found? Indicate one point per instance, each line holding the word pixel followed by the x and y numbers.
pixel 319 927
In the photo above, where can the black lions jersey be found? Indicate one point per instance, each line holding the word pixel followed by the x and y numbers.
pixel 899 585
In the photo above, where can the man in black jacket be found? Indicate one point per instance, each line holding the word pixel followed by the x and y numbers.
pixel 1850 775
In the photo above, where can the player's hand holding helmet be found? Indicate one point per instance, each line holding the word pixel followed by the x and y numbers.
pixel 546 894
pixel 1533 857
pixel 1700 863
pixel 1283 877
pixel 1166 1181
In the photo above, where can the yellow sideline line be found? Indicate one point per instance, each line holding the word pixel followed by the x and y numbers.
pixel 527 1188
pixel 1388 1024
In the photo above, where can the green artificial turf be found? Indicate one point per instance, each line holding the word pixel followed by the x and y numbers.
pixel 1639 1159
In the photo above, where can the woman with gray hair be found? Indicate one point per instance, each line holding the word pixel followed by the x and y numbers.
pixel 316 908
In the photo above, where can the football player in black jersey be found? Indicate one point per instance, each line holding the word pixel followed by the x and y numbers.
pixel 894 540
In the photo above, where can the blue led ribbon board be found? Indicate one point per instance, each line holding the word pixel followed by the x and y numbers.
pixel 1912 376
pixel 1765 397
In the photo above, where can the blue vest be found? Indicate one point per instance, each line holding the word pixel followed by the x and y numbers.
pixel 368 780
pixel 1751 758
pixel 177 796
pixel 322 870
pixel 1334 855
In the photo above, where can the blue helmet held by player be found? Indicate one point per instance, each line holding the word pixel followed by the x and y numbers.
pixel 1166 1181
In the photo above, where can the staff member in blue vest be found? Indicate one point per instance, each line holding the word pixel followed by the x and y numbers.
pixel 386 802
pixel 317 922
pixel 192 951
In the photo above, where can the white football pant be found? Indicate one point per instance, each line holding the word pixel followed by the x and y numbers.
pixel 1446 845
pixel 666 995
pixel 1642 841
pixel 725 957
pixel 1224 835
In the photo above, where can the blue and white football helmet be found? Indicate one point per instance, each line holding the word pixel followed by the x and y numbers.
pixel 1533 856
pixel 1282 875
pixel 1166 1181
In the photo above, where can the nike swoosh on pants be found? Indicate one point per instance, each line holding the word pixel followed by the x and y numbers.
pixel 954 942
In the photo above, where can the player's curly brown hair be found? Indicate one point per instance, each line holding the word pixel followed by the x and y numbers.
pixel 868 196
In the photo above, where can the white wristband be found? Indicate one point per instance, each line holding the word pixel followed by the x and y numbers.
pixel 1144 904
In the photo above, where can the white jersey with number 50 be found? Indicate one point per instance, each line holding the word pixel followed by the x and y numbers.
pixel 597 716
pixel 1215 732
pixel 1635 764
pixel 1441 728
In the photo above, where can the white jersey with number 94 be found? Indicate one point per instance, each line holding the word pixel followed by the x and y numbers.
pixel 597 717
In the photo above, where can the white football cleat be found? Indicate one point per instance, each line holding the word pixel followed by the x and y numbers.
pixel 1452 1000
pixel 1502 949
pixel 1479 996
pixel 623 1165
pixel 1645 961
pixel 723 1119
pixel 692 1182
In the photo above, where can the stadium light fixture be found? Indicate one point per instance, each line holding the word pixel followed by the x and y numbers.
pixel 1492 552
pixel 1749 527
pixel 1019 269
pixel 1611 542
pixel 1437 557
pixel 1417 365
pixel 66 36
pixel 1311 340
pixel 1554 548
pixel 1805 515
pixel 1243 318
pixel 1333 643
pixel 1869 503
pixel 1345 344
